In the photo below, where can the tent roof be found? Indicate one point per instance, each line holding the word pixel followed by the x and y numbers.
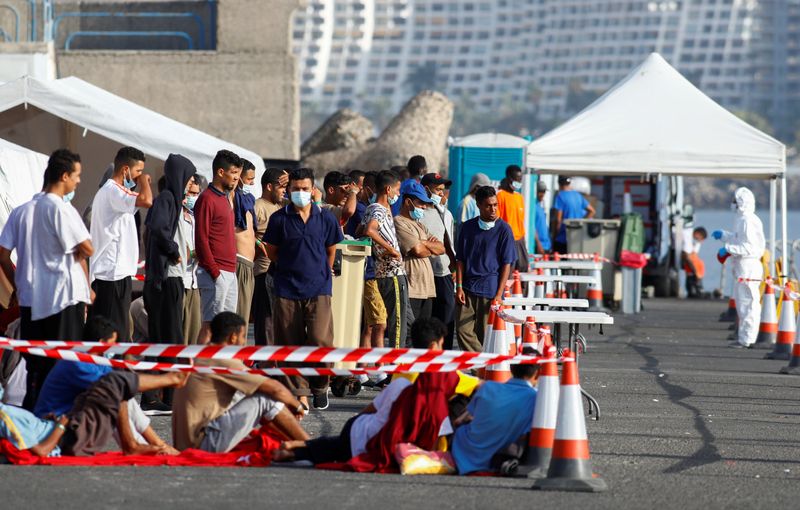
pixel 655 121
pixel 492 140
pixel 118 119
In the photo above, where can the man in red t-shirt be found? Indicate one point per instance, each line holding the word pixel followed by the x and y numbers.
pixel 215 243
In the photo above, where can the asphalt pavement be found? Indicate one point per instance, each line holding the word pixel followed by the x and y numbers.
pixel 686 422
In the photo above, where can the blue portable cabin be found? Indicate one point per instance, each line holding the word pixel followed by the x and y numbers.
pixel 491 153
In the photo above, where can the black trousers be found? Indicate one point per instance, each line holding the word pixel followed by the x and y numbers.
pixel 113 301
pixel 261 309
pixel 64 325
pixel 559 247
pixel 421 308
pixel 164 308
pixel 444 306
pixel 328 449
pixel 522 263
pixel 164 311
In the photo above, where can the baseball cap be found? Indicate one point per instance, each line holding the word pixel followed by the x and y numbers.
pixel 412 188
pixel 541 186
pixel 435 180
pixel 564 180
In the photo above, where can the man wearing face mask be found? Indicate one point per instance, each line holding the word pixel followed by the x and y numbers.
pixel 301 243
pixel 168 253
pixel 192 312
pixel 417 246
pixel 60 247
pixel 390 275
pixel 511 209
pixel 745 245
pixel 215 241
pixel 484 257
pixel 114 237
pixel 244 214
pixel 439 222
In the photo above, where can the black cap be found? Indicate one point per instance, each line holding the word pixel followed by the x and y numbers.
pixel 435 179
pixel 564 180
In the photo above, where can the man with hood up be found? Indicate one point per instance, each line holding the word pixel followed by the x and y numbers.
pixel 166 248
pixel 745 245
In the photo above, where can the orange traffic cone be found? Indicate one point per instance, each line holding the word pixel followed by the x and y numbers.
pixel 793 368
pixel 729 315
pixel 529 335
pixel 768 329
pixel 500 372
pixel 517 287
pixel 570 466
pixel 786 329
pixel 543 431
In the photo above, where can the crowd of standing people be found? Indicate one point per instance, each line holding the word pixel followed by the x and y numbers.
pixel 220 255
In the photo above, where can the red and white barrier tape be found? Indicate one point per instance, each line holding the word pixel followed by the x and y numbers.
pixel 786 289
pixel 582 256
pixel 293 354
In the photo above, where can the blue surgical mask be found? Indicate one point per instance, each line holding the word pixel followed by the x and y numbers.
pixel 485 225
pixel 373 198
pixel 301 198
pixel 248 189
pixel 190 201
pixel 393 200
pixel 436 199
pixel 517 185
pixel 129 183
pixel 69 196
pixel 417 213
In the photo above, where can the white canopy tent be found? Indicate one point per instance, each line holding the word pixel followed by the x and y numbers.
pixel 21 172
pixel 46 115
pixel 655 122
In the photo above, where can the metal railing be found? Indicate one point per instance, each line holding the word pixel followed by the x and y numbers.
pixel 53 33
pixel 122 33
pixel 15 12
pixel 43 24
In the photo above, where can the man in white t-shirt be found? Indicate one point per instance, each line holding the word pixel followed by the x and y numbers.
pixel 17 235
pixel 60 248
pixel 115 239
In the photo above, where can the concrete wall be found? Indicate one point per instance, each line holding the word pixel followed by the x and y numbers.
pixel 245 92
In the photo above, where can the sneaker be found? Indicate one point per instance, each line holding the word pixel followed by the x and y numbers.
pixel 156 408
pixel 321 401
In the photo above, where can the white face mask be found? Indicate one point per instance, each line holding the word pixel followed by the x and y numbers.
pixel 436 199
pixel 249 189
pixel 485 225
pixel 734 207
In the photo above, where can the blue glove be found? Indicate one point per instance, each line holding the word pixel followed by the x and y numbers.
pixel 717 234
pixel 722 253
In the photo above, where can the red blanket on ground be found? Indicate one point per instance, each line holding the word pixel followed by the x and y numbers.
pixel 255 451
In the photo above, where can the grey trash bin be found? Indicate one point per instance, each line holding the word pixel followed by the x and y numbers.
pixel 631 290
pixel 595 236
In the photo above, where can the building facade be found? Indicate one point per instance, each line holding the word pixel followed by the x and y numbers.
pixel 501 52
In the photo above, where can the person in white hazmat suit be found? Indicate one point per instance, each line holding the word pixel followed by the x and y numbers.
pixel 745 245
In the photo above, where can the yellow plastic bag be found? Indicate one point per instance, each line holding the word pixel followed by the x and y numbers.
pixel 416 461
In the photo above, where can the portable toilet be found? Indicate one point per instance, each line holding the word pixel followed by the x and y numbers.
pixel 491 153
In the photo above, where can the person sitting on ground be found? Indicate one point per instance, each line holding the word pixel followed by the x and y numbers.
pixel 501 416
pixel 68 379
pixel 361 428
pixel 86 428
pixel 210 413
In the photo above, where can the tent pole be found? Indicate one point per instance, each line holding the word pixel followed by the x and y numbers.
pixel 784 229
pixel 773 203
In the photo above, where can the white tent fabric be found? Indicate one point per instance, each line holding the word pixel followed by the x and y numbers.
pixel 21 173
pixel 655 121
pixel 127 123
pixel 493 140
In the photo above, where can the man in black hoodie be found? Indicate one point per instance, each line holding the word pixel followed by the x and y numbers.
pixel 165 247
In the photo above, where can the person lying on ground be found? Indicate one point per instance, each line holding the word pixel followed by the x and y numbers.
pixel 90 423
pixel 500 415
pixel 68 379
pixel 357 432
pixel 215 412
